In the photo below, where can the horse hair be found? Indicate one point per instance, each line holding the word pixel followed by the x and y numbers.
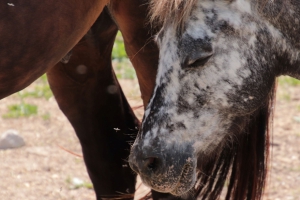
pixel 177 10
pixel 161 10
pixel 243 163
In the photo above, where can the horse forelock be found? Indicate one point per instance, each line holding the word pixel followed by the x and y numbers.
pixel 178 10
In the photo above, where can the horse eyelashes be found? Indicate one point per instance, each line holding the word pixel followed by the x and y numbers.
pixel 198 62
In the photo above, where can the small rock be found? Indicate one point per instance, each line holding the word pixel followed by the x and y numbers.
pixel 11 139
pixel 296 118
pixel 77 183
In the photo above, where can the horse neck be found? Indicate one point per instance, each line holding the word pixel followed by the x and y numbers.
pixel 284 17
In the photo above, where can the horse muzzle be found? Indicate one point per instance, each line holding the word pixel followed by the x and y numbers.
pixel 167 170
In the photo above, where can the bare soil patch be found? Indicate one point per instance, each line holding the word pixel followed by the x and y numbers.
pixel 42 170
pixel 284 172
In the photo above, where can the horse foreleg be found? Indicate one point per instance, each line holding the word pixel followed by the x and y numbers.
pixel 89 94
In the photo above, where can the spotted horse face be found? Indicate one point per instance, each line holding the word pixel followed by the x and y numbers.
pixel 212 72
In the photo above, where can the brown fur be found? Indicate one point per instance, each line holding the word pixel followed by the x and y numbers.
pixel 35 36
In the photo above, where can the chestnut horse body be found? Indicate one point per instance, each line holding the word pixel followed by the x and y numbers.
pixel 36 35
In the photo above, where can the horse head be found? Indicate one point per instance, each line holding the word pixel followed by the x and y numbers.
pixel 218 63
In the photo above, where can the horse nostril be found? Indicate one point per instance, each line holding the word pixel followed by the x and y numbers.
pixel 151 163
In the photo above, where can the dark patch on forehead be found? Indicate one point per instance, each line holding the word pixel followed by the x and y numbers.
pixel 211 16
pixel 226 28
pixel 211 20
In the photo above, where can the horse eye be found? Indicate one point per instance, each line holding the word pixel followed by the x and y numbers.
pixel 199 61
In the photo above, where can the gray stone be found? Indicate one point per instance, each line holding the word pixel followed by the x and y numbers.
pixel 11 139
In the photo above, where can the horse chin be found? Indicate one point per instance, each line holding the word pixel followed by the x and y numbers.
pixel 180 186
pixel 186 181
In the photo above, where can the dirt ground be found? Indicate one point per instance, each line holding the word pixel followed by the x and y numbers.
pixel 42 170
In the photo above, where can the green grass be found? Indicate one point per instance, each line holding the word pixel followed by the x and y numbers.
pixel 124 70
pixel 289 81
pixel 46 116
pixel 26 109
pixel 82 184
pixel 42 90
pixel 21 110
pixel 285 82
pixel 119 52
pixel 295 169
pixel 285 96
pixel 121 63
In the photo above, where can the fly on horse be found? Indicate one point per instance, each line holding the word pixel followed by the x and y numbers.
pixel 36 35
pixel 208 119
